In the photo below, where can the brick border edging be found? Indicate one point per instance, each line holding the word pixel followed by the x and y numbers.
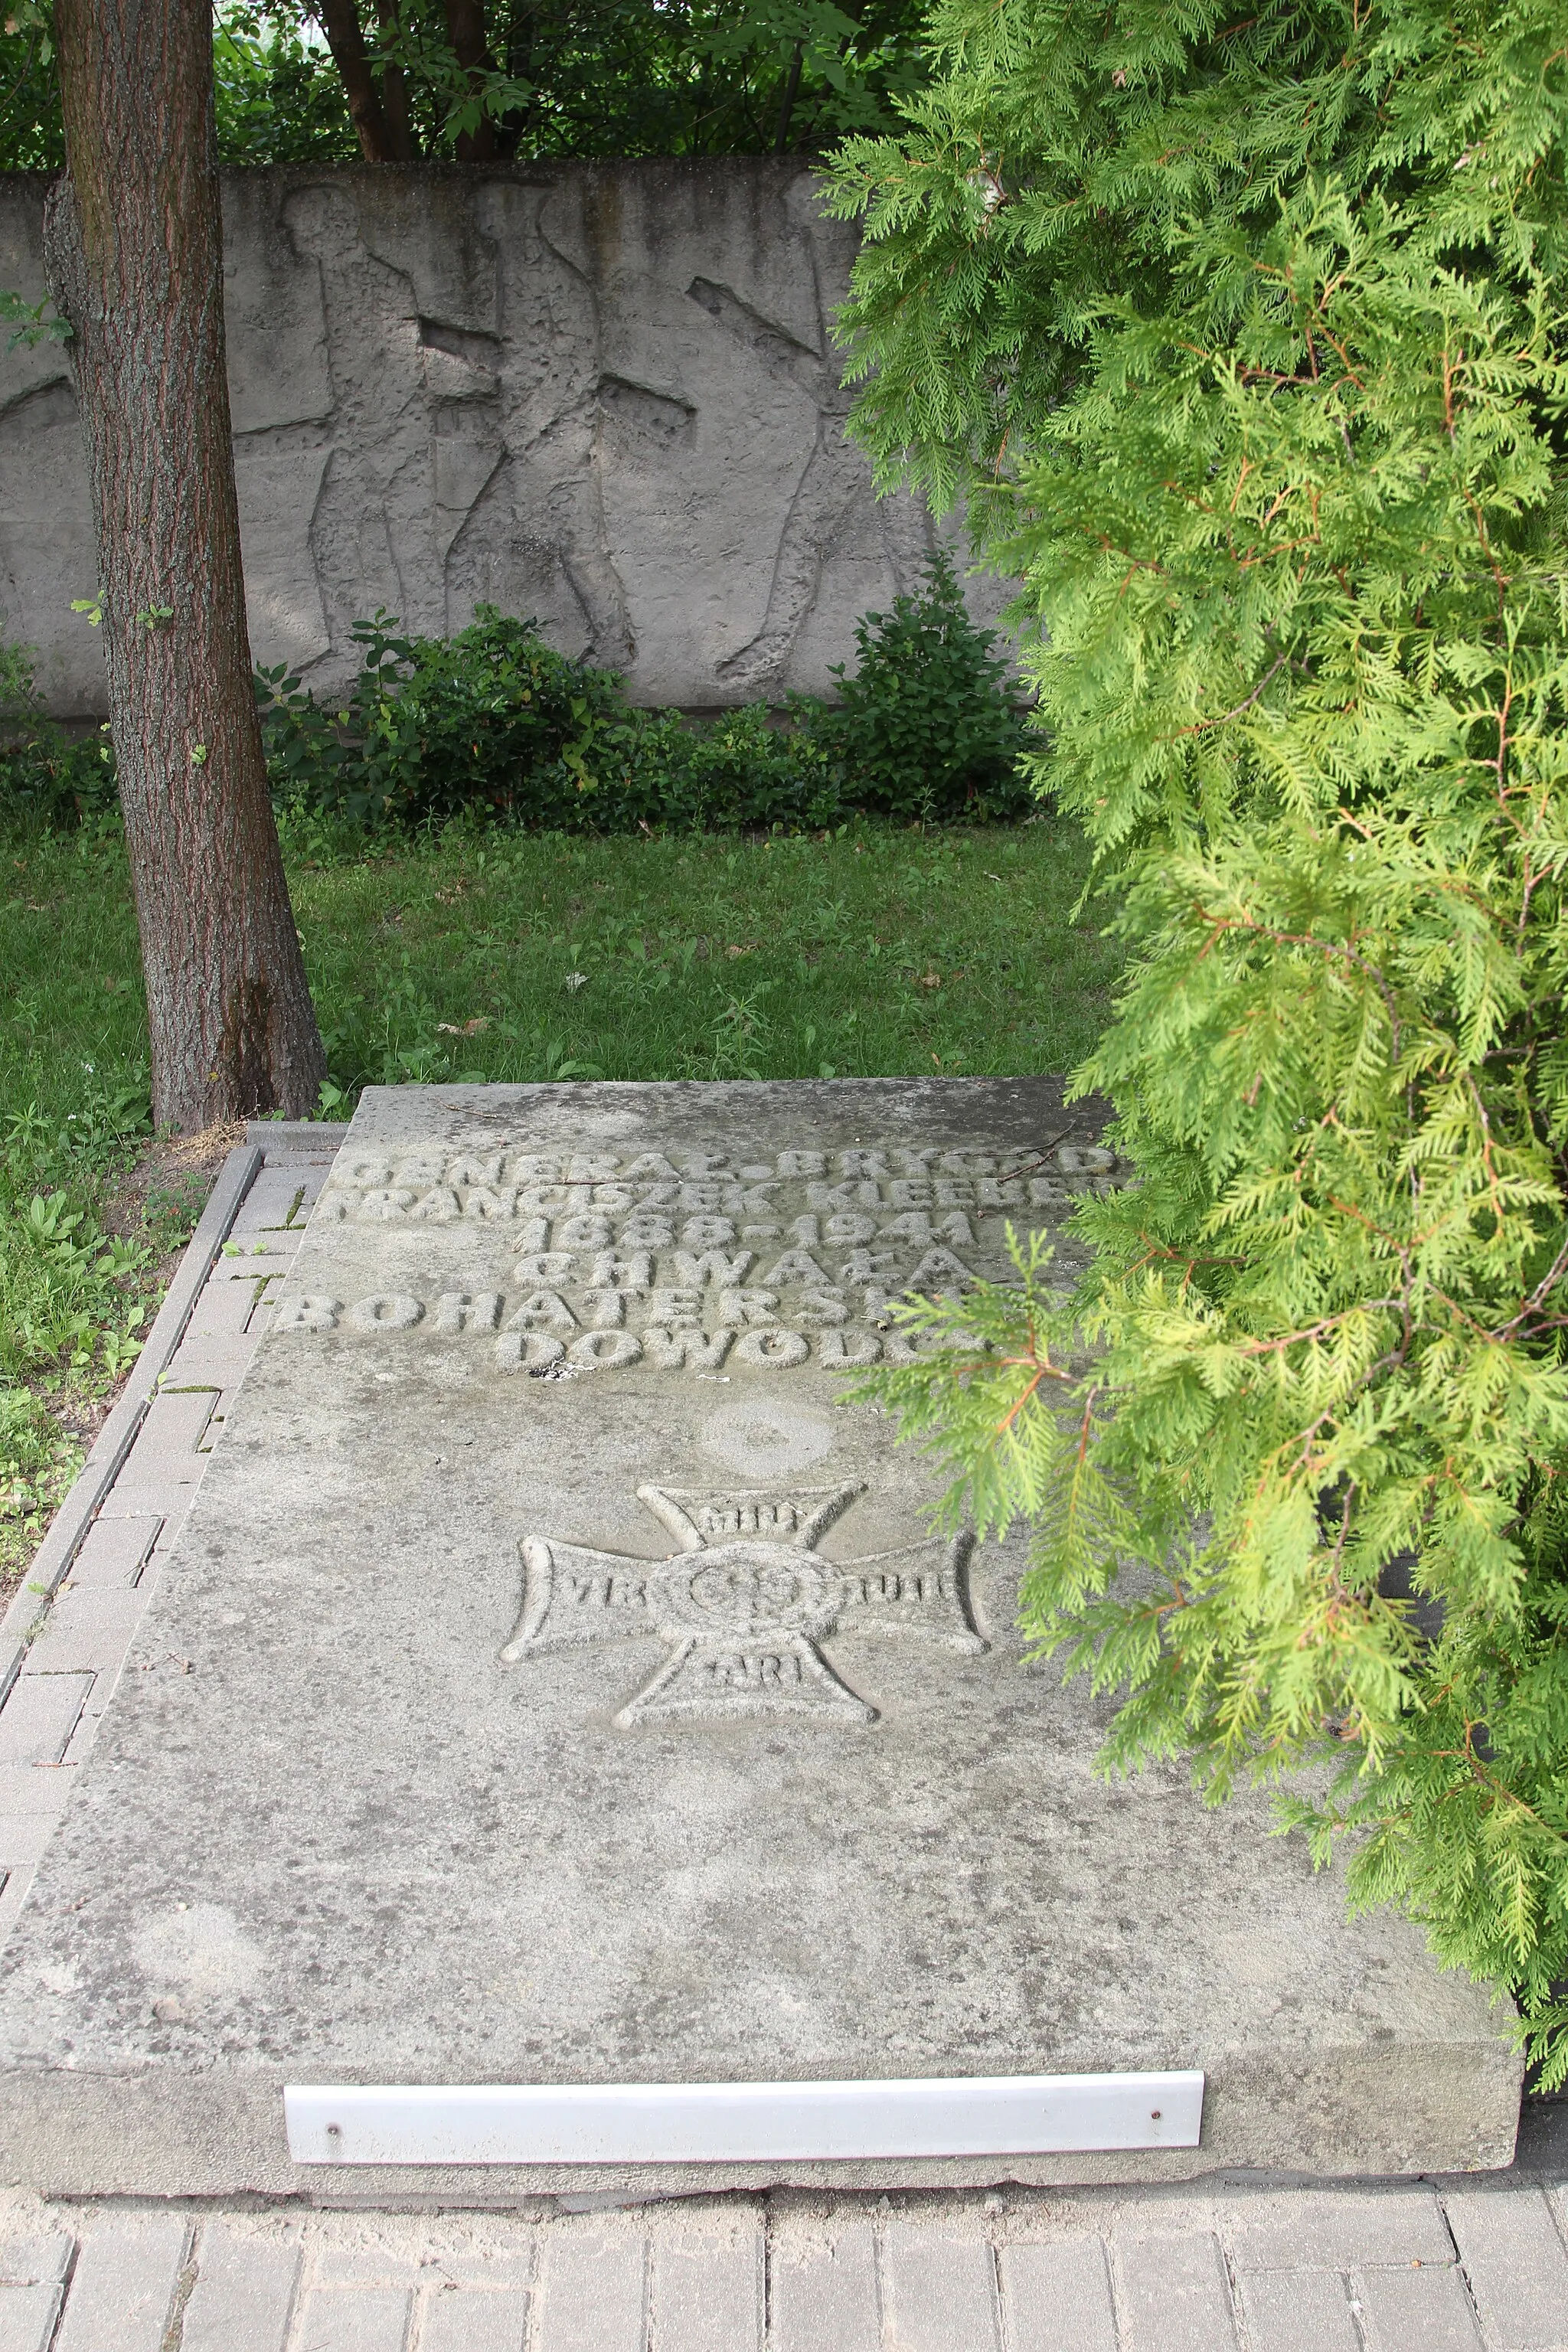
pixel 115 1439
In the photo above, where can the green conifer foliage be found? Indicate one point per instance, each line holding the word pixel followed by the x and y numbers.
pixel 1253 343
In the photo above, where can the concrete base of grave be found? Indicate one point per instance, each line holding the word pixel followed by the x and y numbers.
pixel 169 2132
pixel 634 1727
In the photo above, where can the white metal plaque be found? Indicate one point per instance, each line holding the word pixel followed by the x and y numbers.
pixel 740 2123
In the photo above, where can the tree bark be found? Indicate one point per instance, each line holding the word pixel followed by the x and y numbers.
pixel 134 236
pixel 786 101
pixel 395 89
pixel 465 31
pixel 345 38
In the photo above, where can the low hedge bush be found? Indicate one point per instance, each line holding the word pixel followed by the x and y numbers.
pixel 495 727
pixel 493 724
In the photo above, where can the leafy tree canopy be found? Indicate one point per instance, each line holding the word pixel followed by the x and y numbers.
pixel 1245 340
pixel 514 78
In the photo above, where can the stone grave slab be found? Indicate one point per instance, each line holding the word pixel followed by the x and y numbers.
pixel 557 1682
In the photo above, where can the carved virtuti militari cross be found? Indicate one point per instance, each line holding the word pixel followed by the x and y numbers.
pixel 745 1602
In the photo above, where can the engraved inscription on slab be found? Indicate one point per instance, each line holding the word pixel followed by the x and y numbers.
pixel 715 1265
pixel 744 1604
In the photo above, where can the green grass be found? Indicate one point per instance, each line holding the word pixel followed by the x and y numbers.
pixel 877 952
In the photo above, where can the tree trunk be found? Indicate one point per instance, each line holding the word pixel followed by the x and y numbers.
pixel 465 31
pixel 134 236
pixel 345 38
pixel 394 88
pixel 786 101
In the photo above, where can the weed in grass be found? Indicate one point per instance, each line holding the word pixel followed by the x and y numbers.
pixel 170 1212
pixel 741 1035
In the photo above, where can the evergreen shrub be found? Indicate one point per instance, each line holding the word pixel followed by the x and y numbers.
pixel 926 726
pixel 1249 339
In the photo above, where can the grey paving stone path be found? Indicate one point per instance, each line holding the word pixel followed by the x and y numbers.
pixel 1475 2266
pixel 1302 2270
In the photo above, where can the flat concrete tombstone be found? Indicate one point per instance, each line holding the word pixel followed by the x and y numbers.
pixel 558 1681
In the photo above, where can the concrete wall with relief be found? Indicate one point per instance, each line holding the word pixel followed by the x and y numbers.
pixel 603 394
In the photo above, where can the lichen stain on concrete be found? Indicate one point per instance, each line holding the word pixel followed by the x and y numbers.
pixel 199 1948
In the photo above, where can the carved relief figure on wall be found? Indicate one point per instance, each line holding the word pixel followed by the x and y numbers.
pixel 372 533
pixel 535 541
pixel 833 493
pixel 603 396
